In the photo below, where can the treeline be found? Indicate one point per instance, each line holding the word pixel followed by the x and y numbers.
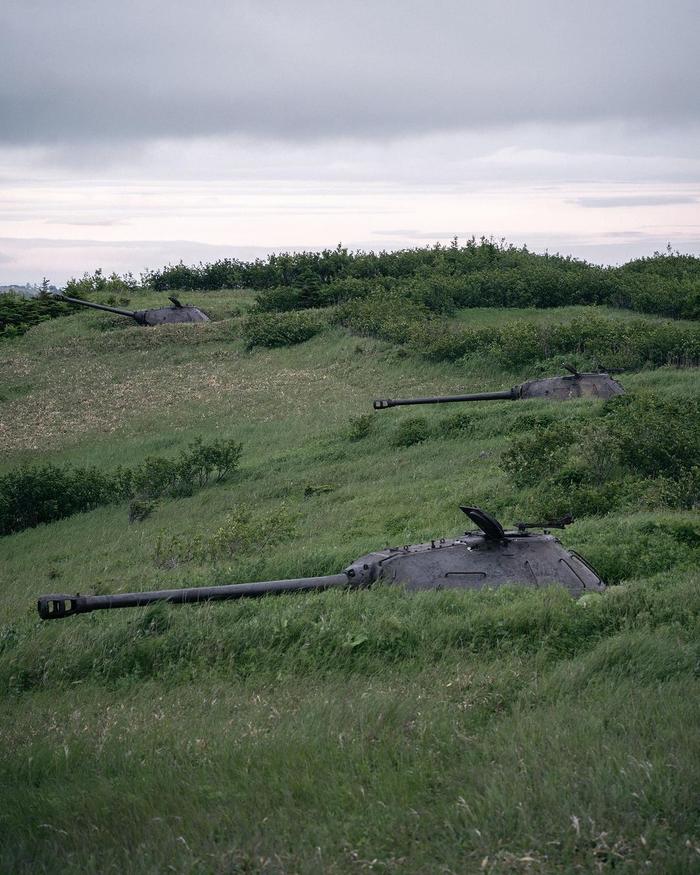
pixel 479 273
pixel 41 494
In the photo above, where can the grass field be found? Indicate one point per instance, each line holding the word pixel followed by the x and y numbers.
pixel 508 731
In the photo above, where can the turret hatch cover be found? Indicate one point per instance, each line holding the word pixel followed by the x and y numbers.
pixel 488 524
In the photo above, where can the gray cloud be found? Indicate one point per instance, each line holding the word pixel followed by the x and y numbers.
pixel 640 200
pixel 96 70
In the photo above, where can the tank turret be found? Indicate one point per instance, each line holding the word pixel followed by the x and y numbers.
pixel 159 316
pixel 486 557
pixel 562 388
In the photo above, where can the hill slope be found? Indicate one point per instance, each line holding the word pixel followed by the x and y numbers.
pixel 506 731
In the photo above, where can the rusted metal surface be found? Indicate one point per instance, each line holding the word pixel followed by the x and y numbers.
pixel 487 557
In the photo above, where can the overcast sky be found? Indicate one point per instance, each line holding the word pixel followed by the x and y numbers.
pixel 136 133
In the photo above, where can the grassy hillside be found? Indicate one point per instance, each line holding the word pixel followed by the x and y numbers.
pixel 504 731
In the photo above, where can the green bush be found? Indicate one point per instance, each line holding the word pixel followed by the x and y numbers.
pixel 640 450
pixel 361 426
pixel 30 496
pixel 455 425
pixel 282 329
pixel 592 339
pixel 97 282
pixel 243 531
pixel 18 314
pixel 386 314
pixel 411 431
pixel 643 548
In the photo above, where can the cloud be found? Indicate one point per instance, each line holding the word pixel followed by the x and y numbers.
pixel 142 132
pixel 634 200
pixel 95 70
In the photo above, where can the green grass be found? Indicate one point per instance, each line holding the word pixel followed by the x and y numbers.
pixel 513 731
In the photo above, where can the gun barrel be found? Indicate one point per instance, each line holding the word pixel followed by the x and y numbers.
pixel 55 607
pixel 504 395
pixel 118 310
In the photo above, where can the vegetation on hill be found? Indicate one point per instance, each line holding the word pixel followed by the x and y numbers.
pixel 506 731
pixel 39 494
pixel 480 273
pixel 18 313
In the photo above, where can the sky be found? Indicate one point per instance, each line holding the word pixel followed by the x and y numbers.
pixel 144 132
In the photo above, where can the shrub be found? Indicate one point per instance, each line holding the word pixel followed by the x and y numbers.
pixel 18 314
pixel 282 329
pixel 97 282
pixel 45 493
pixel 361 426
pixel 29 496
pixel 243 531
pixel 592 339
pixel 411 431
pixel 641 548
pixel 140 509
pixel 455 425
pixel 386 314
pixel 639 451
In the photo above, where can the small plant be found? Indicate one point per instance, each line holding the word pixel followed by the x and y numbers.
pixel 311 489
pixel 412 431
pixel 361 426
pixel 140 509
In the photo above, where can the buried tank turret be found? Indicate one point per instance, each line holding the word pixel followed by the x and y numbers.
pixel 487 557
pixel 562 388
pixel 158 316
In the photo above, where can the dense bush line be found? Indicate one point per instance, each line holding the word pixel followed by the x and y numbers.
pixel 44 493
pixel 18 314
pixel 282 329
pixel 480 273
pixel 613 342
pixel 89 284
pixel 639 451
pixel 616 343
pixel 412 319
